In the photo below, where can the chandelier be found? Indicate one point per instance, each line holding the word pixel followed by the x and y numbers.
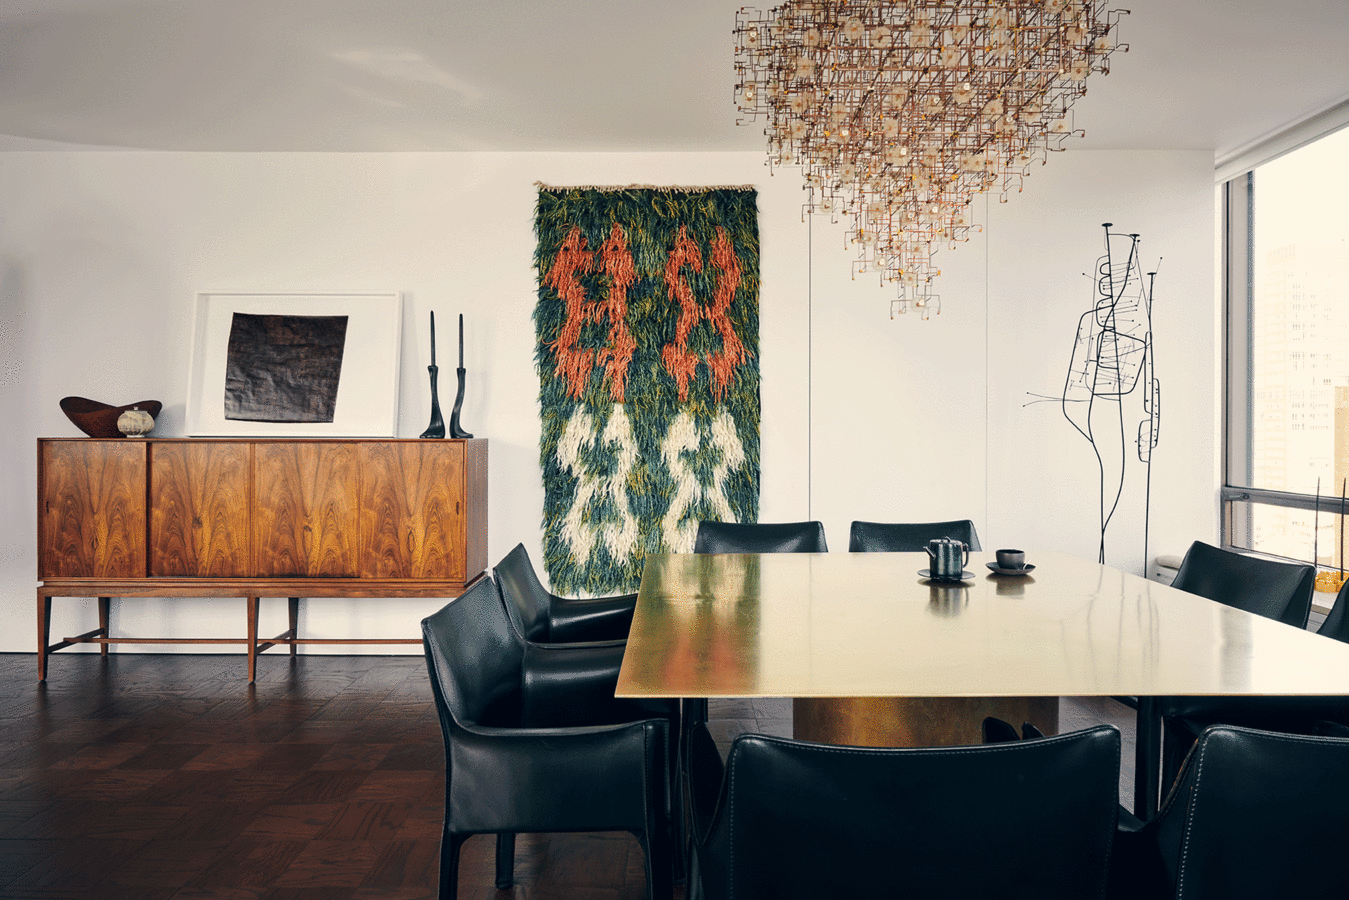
pixel 900 111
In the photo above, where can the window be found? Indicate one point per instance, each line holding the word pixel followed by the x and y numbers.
pixel 1288 354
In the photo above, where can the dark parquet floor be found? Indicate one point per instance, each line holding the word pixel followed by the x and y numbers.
pixel 166 777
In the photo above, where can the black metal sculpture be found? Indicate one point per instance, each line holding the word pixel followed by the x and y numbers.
pixel 1112 356
pixel 455 430
pixel 437 427
pixel 1112 359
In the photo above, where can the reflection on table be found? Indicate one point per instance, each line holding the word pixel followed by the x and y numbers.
pixel 840 628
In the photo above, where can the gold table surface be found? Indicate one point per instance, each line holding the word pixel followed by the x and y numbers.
pixel 867 625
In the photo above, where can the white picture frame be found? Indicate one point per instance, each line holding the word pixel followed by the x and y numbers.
pixel 367 392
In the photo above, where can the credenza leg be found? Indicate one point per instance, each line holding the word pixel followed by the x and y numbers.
pixel 294 610
pixel 252 603
pixel 104 608
pixel 44 619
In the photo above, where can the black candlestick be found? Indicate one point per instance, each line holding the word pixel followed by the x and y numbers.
pixel 437 427
pixel 455 430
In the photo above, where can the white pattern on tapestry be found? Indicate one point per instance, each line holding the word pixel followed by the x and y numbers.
pixel 620 537
pixel 681 439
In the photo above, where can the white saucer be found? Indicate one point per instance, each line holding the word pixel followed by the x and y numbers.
pixel 998 570
pixel 965 575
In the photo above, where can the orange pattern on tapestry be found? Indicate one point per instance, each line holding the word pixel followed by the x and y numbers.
pixel 733 353
pixel 680 361
pixel 575 363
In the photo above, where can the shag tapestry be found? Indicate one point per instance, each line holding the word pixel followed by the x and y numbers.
pixel 648 358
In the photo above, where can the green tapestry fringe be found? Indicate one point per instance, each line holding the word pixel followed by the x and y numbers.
pixel 648 357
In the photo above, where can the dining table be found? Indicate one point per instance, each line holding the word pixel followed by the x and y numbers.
pixel 873 652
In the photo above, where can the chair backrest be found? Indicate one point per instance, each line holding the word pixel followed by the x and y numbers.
pixel 760 537
pixel 907 537
pixel 1027 819
pixel 1257 814
pixel 474 658
pixel 526 599
pixel 1336 624
pixel 1269 588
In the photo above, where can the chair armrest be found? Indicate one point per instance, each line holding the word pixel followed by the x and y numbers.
pixel 547 779
pixel 573 684
pixel 597 619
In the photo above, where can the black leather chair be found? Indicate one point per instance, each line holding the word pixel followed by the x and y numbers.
pixel 907 537
pixel 1266 587
pixel 1294 715
pixel 535 740
pixel 1254 814
pixel 545 618
pixel 542 617
pixel 1270 588
pixel 760 537
pixel 787 819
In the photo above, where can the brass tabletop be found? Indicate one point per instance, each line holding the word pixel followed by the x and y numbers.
pixel 867 625
pixel 807 625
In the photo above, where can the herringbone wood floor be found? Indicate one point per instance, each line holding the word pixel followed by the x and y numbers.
pixel 166 777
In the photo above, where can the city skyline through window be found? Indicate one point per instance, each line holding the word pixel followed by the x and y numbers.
pixel 1298 428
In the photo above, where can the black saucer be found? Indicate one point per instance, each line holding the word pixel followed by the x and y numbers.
pixel 965 575
pixel 998 570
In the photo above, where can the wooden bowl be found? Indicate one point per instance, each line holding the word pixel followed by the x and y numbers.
pixel 99 420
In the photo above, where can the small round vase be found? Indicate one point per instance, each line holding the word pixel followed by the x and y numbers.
pixel 135 422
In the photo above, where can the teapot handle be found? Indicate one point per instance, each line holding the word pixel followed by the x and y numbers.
pixel 966 559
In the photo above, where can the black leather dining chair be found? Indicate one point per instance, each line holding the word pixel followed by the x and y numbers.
pixel 1270 588
pixel 543 617
pixel 785 819
pixel 1254 814
pixel 535 741
pixel 1294 715
pixel 1267 587
pixel 760 537
pixel 907 537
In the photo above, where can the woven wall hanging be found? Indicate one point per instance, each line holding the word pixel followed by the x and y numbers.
pixel 648 357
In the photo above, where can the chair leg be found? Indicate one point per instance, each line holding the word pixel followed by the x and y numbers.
pixel 505 860
pixel 449 864
pixel 656 850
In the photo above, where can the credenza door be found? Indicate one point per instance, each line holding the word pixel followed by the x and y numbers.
pixel 91 509
pixel 307 518
pixel 200 503
pixel 413 518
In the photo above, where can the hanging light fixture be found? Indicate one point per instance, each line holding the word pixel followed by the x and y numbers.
pixel 900 111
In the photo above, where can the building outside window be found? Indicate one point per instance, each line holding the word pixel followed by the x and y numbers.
pixel 1288 345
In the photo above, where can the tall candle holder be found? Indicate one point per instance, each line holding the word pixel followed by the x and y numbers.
pixel 455 430
pixel 437 427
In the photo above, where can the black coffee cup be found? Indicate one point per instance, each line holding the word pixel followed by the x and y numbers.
pixel 1011 559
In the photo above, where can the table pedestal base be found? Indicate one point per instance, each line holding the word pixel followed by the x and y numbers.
pixel 914 721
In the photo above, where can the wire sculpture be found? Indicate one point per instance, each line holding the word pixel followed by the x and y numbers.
pixel 1112 362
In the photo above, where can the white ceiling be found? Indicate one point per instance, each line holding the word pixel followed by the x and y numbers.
pixel 584 75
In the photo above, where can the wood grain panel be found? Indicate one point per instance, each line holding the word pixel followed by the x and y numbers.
pixel 199 500
pixel 412 513
pixel 91 509
pixel 307 519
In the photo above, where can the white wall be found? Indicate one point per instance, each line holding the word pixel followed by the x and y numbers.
pixel 101 255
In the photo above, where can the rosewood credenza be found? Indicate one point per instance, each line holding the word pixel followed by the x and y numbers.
pixel 254 518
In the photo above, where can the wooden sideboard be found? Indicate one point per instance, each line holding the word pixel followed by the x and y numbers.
pixel 253 518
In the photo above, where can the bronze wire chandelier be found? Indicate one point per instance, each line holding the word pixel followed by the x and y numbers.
pixel 899 113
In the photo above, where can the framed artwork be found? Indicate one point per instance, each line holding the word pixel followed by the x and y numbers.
pixel 295 365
